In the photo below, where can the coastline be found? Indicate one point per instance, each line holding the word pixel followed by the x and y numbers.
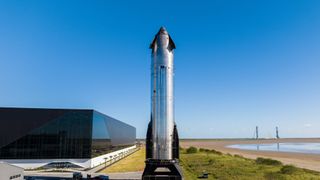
pixel 302 160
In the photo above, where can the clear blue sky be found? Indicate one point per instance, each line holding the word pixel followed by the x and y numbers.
pixel 238 63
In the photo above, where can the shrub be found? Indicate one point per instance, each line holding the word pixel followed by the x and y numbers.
pixel 191 150
pixel 268 161
pixel 238 156
pixel 211 161
pixel 288 169
pixel 216 152
pixel 202 150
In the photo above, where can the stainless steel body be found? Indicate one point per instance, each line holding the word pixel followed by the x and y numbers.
pixel 162 107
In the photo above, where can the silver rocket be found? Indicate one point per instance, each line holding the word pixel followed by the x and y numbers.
pixel 162 106
pixel 162 141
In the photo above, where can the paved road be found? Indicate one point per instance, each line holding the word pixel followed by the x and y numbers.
pixel 126 175
pixel 67 176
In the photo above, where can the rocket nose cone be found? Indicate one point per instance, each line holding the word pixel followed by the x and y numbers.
pixel 162 39
pixel 163 30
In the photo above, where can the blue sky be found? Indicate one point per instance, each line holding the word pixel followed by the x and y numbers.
pixel 238 63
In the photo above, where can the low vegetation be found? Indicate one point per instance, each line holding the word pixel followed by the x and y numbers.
pixel 191 150
pixel 196 162
pixel 210 151
pixel 289 169
pixel 226 166
pixel 267 161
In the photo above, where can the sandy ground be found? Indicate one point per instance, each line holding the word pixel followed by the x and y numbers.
pixel 307 161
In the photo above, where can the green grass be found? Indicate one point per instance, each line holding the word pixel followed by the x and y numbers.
pixel 220 166
pixel 224 166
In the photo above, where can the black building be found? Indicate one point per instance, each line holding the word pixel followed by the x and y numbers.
pixel 33 134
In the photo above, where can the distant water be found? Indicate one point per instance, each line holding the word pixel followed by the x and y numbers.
pixel 309 148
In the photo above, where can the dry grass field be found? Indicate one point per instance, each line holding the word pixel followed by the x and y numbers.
pixel 132 163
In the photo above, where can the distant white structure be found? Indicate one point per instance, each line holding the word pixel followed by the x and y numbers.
pixel 10 172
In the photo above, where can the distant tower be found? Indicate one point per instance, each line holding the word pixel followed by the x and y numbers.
pixel 257 132
pixel 277 133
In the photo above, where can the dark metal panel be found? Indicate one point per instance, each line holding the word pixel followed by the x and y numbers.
pixel 120 133
pixel 17 122
pixel 46 133
pixel 149 142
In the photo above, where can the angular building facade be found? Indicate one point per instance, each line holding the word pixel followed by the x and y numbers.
pixel 33 138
